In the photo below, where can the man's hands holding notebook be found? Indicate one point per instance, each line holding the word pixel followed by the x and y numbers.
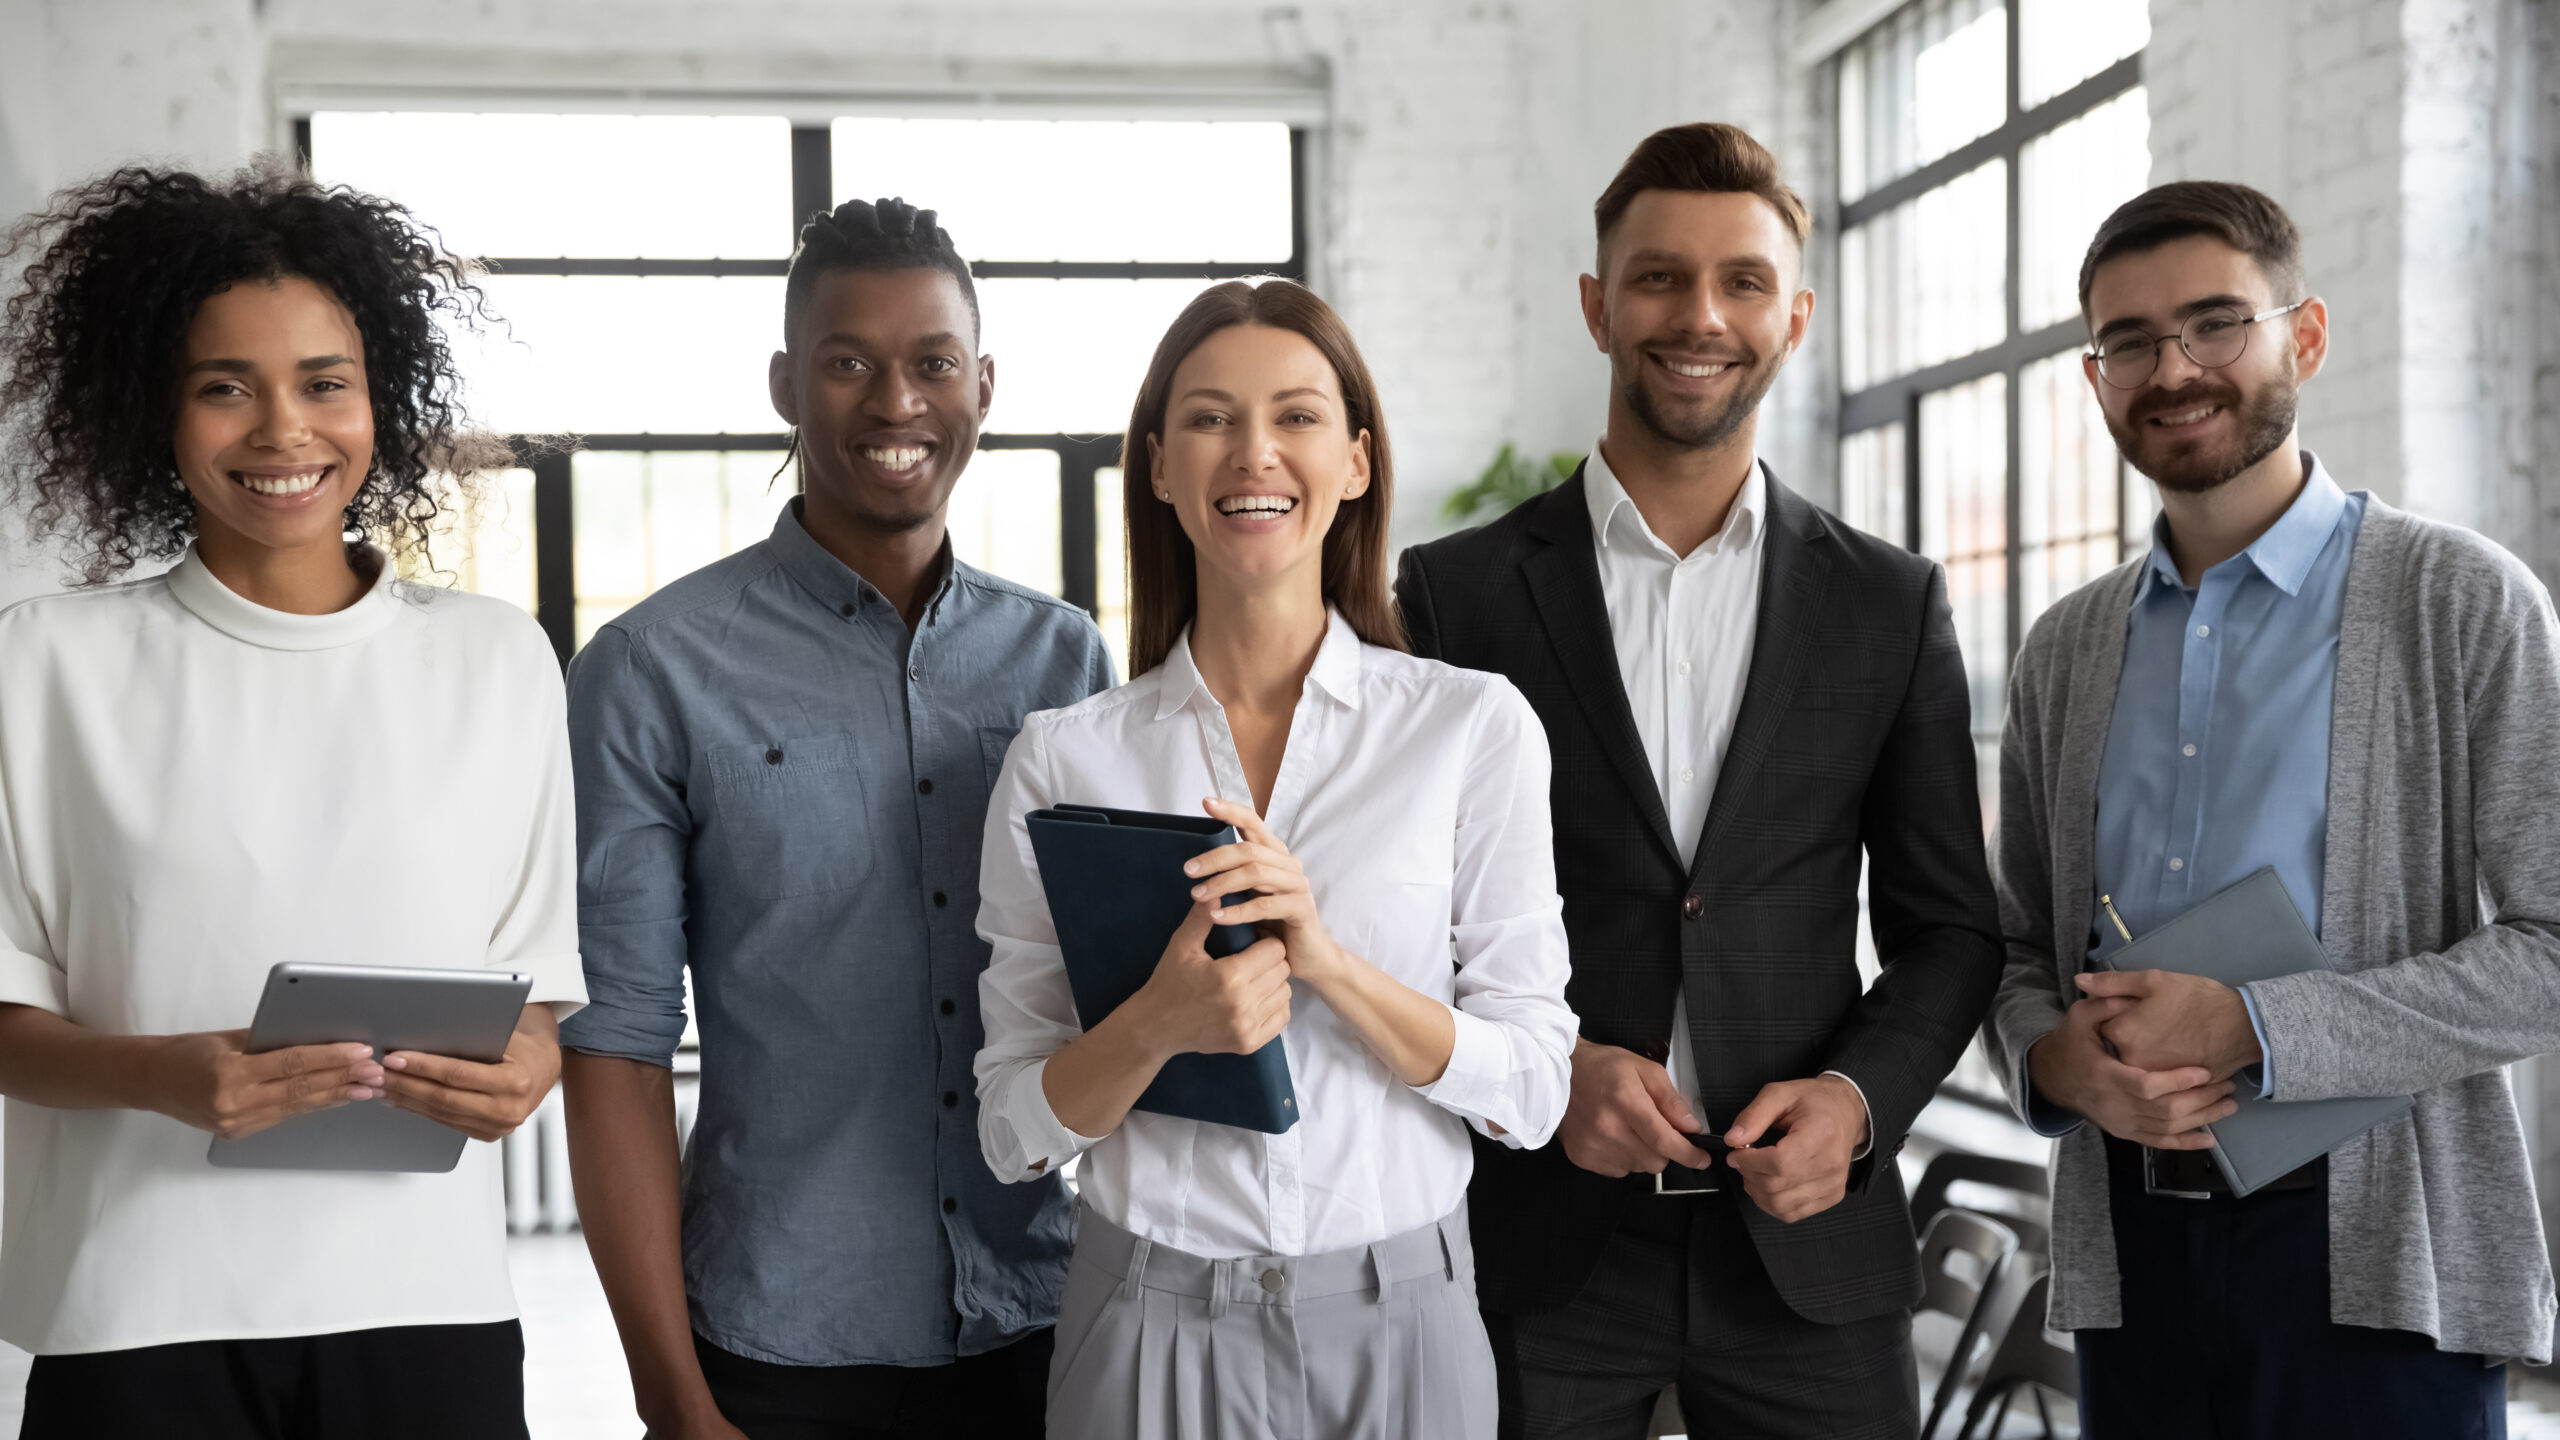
pixel 2076 1068
pixel 2175 1021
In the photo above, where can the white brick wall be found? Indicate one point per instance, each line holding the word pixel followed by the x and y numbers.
pixel 2411 141
pixel 2300 98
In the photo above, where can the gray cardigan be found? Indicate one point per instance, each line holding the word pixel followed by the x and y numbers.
pixel 2441 909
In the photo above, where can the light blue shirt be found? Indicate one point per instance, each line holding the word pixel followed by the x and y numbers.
pixel 2217 758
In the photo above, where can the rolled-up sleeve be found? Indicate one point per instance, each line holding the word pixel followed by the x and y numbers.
pixel 1023 997
pixel 1510 1070
pixel 633 830
pixel 29 972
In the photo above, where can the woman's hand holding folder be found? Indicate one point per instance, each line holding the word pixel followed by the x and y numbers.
pixel 1217 1006
pixel 1410 1031
pixel 1192 1003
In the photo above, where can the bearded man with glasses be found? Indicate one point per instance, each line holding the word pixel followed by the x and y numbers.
pixel 2300 678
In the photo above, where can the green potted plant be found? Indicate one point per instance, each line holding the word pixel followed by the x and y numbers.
pixel 1510 479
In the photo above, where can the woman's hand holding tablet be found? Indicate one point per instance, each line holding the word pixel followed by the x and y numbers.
pixel 485 1102
pixel 210 1080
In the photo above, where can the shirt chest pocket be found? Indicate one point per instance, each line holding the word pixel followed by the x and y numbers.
pixel 791 817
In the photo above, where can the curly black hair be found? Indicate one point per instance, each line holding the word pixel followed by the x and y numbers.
pixel 92 341
pixel 870 235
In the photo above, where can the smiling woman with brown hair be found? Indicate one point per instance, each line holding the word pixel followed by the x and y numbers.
pixel 276 751
pixel 1395 841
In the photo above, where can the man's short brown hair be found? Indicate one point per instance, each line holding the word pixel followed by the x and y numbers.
pixel 1707 156
pixel 2242 218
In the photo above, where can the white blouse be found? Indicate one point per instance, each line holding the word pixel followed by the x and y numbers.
pixel 1415 794
pixel 192 788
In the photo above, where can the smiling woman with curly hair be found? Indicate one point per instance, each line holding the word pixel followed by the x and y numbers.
pixel 276 751
pixel 95 341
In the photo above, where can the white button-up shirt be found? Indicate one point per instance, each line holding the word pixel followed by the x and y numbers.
pixel 1415 794
pixel 1684 627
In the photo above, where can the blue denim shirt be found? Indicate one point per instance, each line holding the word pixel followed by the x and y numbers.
pixel 782 791
pixel 2217 758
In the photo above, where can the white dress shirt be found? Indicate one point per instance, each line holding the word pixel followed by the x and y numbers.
pixel 192 788
pixel 1415 794
pixel 1684 627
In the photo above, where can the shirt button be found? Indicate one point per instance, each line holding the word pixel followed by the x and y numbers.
pixel 2190 751
pixel 1684 667
pixel 1691 907
pixel 2203 630
pixel 916 674
pixel 940 899
pixel 1686 776
pixel 950 1099
pixel 2177 864
pixel 773 757
pixel 924 787
pixel 848 609
pixel 950 1206
pixel 1272 1280
pixel 948 1007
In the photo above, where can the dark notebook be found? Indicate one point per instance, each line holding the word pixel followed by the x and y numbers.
pixel 1116 895
pixel 2252 931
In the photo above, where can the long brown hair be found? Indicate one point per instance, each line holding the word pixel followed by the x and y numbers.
pixel 1164 569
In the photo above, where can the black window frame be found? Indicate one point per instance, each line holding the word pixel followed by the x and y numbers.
pixel 1081 457
pixel 1896 400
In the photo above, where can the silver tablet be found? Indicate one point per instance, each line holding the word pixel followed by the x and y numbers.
pixel 467 1014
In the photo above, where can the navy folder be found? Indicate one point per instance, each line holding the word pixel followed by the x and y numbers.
pixel 1116 895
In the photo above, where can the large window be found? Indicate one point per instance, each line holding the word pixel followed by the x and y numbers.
pixel 1981 144
pixel 636 262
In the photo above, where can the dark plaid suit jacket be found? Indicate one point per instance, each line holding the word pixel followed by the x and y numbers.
pixel 1854 735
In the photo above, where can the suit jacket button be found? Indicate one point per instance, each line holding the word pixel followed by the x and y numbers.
pixel 1691 907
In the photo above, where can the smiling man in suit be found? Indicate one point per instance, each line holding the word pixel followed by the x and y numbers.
pixel 1743 696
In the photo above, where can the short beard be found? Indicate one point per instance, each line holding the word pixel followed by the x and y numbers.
pixel 879 522
pixel 1703 432
pixel 2265 420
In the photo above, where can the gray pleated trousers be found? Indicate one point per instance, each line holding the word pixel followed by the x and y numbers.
pixel 1382 1342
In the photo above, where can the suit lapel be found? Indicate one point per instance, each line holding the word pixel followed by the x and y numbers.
pixel 1792 572
pixel 1564 581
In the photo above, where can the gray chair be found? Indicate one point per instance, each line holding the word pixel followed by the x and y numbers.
pixel 2025 1359
pixel 1962 1259
pixel 2024 1206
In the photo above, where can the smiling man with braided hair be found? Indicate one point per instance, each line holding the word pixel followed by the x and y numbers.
pixel 783 762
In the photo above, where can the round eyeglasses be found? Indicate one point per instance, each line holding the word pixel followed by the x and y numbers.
pixel 2212 337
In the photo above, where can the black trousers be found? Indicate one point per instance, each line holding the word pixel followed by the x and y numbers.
pixel 402 1382
pixel 2227 1334
pixel 1000 1395
pixel 1680 1298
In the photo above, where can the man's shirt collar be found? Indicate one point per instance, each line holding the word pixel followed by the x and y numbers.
pixel 835 584
pixel 1617 523
pixel 2286 553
